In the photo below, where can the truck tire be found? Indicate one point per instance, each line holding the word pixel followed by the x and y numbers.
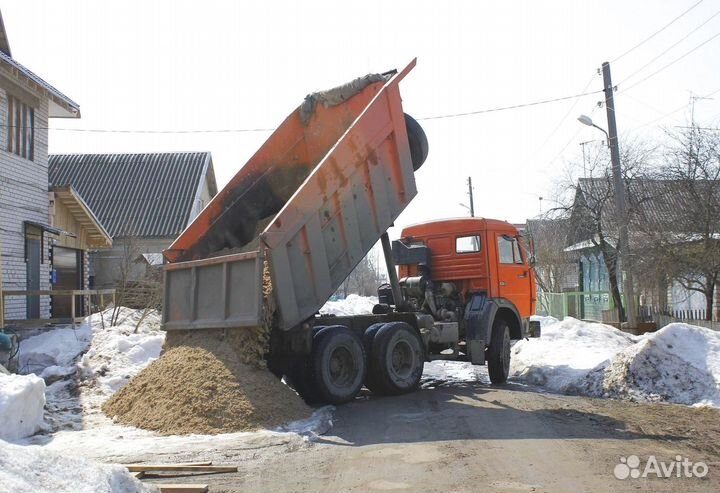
pixel 338 364
pixel 498 353
pixel 396 361
pixel 301 378
pixel 369 337
pixel 418 142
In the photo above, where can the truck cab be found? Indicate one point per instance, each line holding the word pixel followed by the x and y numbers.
pixel 473 277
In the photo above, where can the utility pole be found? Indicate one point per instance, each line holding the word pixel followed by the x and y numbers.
pixel 583 144
pixel 620 202
pixel 470 193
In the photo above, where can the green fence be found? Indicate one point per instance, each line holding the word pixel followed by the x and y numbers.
pixel 588 305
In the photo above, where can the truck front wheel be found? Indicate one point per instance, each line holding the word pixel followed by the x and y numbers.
pixel 396 361
pixel 339 364
pixel 498 353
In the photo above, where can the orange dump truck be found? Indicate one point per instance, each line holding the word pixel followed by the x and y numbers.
pixel 304 211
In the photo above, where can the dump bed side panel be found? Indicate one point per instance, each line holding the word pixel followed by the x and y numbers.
pixel 219 292
pixel 337 215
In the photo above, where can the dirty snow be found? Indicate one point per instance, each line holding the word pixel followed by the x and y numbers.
pixel 118 353
pixel 78 385
pixel 441 372
pixel 566 352
pixel 679 363
pixel 22 399
pixel 352 305
pixel 35 470
pixel 53 349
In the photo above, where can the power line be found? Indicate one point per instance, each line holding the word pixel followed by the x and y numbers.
pixel 245 130
pixel 128 131
pixel 672 112
pixel 657 32
pixel 670 47
pixel 579 129
pixel 513 107
pixel 562 120
pixel 673 62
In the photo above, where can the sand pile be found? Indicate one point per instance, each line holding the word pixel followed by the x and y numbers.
pixel 205 382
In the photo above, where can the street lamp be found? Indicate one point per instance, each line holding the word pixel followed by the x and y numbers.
pixel 586 120
pixel 621 209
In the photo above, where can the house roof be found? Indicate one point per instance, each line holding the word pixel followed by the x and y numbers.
pixel 657 205
pixel 144 195
pixel 97 236
pixel 60 105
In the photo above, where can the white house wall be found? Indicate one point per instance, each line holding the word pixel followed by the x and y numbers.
pixel 23 197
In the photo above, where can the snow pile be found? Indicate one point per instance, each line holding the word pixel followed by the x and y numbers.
pixel 34 470
pixel 352 305
pixel 22 399
pixel 566 353
pixel 680 363
pixel 116 354
pixel 53 352
pixel 445 372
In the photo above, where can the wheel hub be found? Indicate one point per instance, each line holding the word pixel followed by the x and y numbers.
pixel 402 359
pixel 342 367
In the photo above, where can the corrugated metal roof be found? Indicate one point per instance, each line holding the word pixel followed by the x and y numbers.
pixel 145 195
pixel 658 205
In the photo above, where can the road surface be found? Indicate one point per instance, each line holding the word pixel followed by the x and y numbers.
pixel 472 437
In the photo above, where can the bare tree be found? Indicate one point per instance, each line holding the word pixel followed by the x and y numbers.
pixel 686 245
pixel 552 264
pixel 365 278
pixel 137 284
pixel 592 214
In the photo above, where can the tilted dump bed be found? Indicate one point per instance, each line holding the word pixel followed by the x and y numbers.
pixel 312 201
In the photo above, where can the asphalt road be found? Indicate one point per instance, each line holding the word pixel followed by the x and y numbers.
pixel 474 437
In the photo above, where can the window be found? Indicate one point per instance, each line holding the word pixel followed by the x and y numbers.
pixel 21 128
pixel 509 250
pixel 467 244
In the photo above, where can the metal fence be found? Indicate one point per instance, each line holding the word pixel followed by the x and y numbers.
pixel 589 305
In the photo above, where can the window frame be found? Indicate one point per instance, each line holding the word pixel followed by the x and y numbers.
pixel 479 244
pixel 514 250
pixel 20 128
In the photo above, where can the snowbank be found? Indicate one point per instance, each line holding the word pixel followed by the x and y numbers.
pixel 22 399
pixel 116 354
pixel 34 470
pixel 352 305
pixel 53 349
pixel 680 363
pixel 567 351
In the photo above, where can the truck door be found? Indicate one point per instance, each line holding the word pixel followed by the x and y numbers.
pixel 514 281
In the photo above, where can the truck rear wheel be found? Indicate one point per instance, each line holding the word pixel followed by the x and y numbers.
pixel 338 363
pixel 396 361
pixel 498 353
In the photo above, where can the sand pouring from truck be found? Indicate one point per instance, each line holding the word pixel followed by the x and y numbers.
pixel 278 240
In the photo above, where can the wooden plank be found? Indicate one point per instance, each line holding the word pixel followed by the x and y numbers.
pixel 137 474
pixel 206 463
pixel 182 488
pixel 175 467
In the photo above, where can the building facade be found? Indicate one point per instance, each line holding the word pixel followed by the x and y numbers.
pixel 26 104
